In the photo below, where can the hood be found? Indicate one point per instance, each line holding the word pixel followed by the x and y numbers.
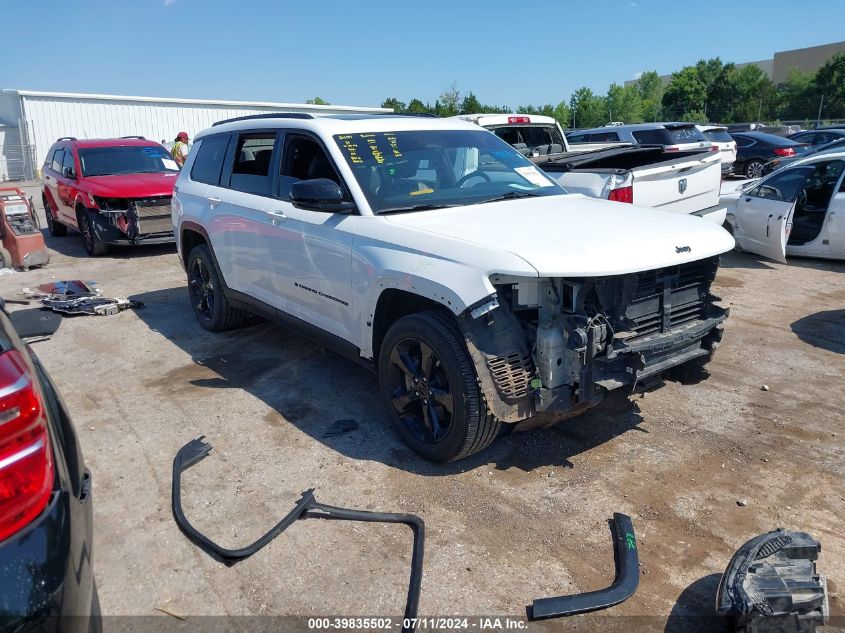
pixel 575 236
pixel 132 185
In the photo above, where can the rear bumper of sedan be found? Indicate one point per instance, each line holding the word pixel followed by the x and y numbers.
pixel 48 582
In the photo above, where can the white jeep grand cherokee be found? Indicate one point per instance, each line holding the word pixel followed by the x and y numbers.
pixel 434 253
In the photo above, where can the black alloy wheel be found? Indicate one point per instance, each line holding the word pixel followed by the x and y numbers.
pixel 422 394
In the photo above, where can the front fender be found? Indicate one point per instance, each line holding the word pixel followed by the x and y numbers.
pixel 466 288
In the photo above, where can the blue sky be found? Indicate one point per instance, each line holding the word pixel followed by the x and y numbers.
pixel 358 53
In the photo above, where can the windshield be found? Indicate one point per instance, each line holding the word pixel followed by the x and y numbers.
pixel 133 159
pixel 429 169
pixel 531 140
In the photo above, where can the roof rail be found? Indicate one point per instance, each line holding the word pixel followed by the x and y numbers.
pixel 66 138
pixel 276 115
pixel 135 136
pixel 418 114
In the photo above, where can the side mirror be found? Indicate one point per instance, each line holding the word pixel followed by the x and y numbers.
pixel 319 194
pixel 68 172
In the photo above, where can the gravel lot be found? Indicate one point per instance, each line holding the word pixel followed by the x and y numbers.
pixel 525 519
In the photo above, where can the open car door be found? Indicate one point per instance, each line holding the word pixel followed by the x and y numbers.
pixel 763 216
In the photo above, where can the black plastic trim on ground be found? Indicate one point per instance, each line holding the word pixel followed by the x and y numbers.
pixel 307 507
pixel 623 587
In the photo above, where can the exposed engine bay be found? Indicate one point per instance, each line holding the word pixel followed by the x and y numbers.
pixel 559 345
pixel 138 219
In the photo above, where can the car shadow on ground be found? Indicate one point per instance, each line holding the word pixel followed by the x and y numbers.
pixel 71 246
pixel 312 389
pixel 734 259
pixel 825 330
pixel 694 610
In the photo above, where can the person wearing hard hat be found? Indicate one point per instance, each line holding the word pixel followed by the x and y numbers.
pixel 180 149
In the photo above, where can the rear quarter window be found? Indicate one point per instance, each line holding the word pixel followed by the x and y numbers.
pixel 685 134
pixel 718 136
pixel 653 137
pixel 209 161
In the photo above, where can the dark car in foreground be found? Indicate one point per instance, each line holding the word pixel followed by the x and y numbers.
pixel 46 579
pixel 776 163
pixel 755 149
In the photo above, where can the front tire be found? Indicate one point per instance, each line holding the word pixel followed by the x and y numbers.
pixel 754 169
pixel 56 228
pixel 94 246
pixel 205 289
pixel 5 258
pixel 428 384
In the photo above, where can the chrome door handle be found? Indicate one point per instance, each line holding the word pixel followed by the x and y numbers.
pixel 214 201
pixel 277 217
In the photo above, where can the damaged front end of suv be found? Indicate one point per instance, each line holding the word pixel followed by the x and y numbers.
pixel 134 220
pixel 549 349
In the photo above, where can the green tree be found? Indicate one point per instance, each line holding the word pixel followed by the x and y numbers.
pixel 624 104
pixel 798 96
pixel 588 109
pixel 471 105
pixel 650 88
pixel 830 84
pixel 415 106
pixel 317 101
pixel 686 92
pixel 449 102
pixel 756 97
pixel 393 102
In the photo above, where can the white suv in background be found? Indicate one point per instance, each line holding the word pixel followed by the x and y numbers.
pixel 434 253
pixel 723 143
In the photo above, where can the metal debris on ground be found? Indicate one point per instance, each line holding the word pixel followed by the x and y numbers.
pixel 79 297
pixel 771 584
pixel 306 508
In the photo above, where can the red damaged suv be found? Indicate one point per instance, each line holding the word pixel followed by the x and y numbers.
pixel 113 191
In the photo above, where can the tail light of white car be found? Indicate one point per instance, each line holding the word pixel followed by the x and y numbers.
pixel 622 194
pixel 26 458
pixel 518 119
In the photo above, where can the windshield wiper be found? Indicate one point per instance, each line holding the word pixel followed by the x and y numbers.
pixel 510 195
pixel 417 207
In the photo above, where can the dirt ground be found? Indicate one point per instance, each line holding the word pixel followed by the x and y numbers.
pixel 525 519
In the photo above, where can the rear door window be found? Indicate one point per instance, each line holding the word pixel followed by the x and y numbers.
pixel 604 137
pixel 56 165
pixel 252 161
pixel 743 141
pixel 209 160
pixel 67 161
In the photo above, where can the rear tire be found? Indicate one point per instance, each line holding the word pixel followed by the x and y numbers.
pixel 56 228
pixel 754 169
pixel 205 290
pixel 94 246
pixel 428 383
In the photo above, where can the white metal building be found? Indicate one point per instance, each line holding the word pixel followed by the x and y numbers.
pixel 31 121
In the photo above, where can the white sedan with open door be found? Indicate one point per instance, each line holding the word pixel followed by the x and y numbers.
pixel 796 211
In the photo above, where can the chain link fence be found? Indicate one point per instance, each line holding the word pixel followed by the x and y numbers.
pixel 17 155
